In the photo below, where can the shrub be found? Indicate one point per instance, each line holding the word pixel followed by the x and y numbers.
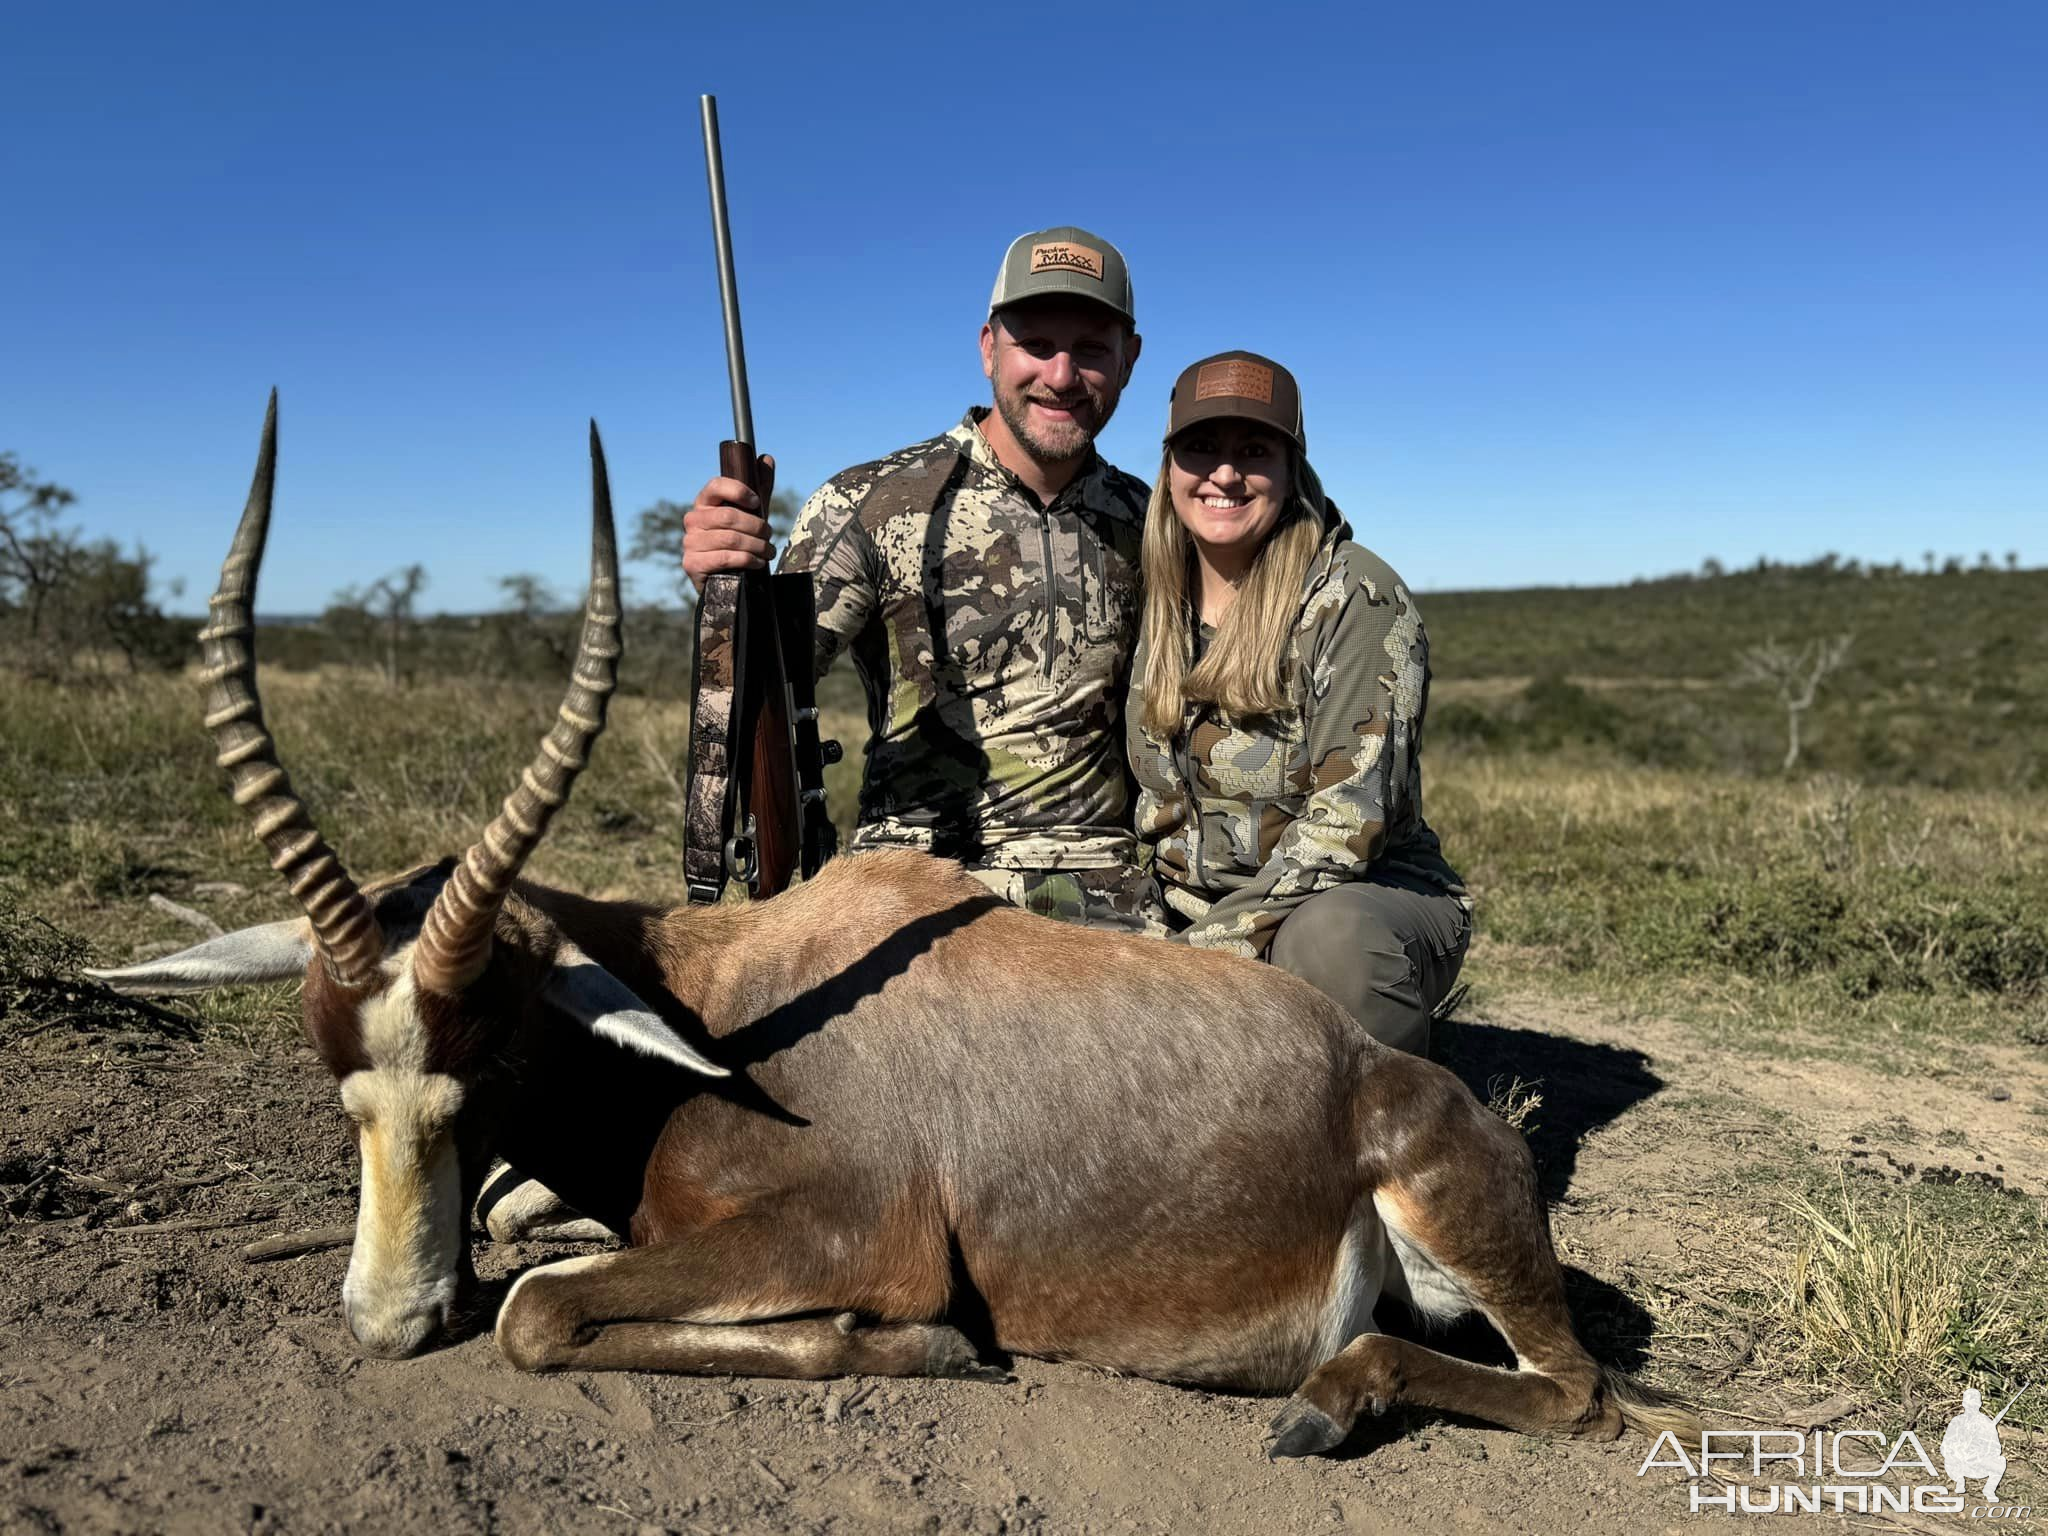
pixel 1556 711
pixel 1777 925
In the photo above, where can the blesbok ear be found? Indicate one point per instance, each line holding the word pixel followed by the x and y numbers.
pixel 271 952
pixel 597 999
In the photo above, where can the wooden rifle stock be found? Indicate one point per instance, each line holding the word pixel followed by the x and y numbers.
pixel 770 813
pixel 755 801
pixel 756 792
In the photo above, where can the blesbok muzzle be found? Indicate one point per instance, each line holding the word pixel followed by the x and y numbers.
pixel 404 1271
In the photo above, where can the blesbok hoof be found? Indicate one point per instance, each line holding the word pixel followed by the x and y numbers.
pixel 951 1356
pixel 513 1209
pixel 1302 1429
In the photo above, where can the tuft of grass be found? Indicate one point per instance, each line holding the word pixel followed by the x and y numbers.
pixel 35 956
pixel 1901 1304
pixel 1514 1100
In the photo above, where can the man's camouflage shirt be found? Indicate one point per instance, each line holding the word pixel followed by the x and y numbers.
pixel 1247 819
pixel 993 636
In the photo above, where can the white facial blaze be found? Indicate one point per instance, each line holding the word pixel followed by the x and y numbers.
pixel 402 1272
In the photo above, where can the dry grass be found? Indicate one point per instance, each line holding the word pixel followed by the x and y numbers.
pixel 1514 1100
pixel 1902 1306
pixel 109 794
pixel 1554 798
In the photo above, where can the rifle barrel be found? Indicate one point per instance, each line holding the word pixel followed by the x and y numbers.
pixel 728 281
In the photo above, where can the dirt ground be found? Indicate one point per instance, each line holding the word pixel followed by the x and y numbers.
pixel 153 1380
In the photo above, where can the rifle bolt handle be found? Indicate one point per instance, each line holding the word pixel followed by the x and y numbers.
pixel 830 751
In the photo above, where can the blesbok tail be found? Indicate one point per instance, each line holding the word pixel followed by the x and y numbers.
pixel 1646 1410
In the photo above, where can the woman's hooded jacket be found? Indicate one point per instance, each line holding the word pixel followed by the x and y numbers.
pixel 1248 818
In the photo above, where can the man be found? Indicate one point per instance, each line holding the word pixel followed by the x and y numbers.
pixel 985 582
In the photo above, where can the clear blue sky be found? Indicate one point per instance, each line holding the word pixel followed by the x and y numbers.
pixel 1575 292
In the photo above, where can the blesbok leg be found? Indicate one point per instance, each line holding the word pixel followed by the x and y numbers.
pixel 1456 1190
pixel 1375 1371
pixel 741 1296
pixel 514 1208
pixel 804 1348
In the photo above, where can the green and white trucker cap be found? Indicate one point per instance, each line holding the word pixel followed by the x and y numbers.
pixel 1064 262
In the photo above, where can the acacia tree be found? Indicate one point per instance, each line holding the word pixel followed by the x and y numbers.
pixel 62 598
pixel 36 555
pixel 108 604
pixel 532 631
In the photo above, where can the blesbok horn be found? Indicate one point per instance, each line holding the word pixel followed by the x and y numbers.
pixel 343 925
pixel 455 941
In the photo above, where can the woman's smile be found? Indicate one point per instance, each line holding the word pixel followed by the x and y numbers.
pixel 1229 480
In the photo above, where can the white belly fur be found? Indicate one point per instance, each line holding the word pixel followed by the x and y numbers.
pixel 1416 1278
pixel 1355 1284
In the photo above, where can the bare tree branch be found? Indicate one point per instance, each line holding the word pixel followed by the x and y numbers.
pixel 1794 676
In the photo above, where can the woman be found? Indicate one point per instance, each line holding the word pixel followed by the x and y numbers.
pixel 1275 716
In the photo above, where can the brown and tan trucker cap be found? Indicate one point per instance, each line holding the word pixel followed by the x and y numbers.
pixel 1067 262
pixel 1237 384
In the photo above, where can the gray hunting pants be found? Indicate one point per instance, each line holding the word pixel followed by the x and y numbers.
pixel 1388 953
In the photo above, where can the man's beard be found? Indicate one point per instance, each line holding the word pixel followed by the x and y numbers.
pixel 1048 442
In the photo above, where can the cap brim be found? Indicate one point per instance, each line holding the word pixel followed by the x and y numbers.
pixel 1063 285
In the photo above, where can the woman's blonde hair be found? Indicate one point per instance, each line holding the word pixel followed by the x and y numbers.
pixel 1244 670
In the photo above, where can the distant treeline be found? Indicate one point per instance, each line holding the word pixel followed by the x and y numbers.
pixel 73 609
pixel 509 646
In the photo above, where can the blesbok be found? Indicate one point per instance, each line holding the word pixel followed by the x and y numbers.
pixel 849 1127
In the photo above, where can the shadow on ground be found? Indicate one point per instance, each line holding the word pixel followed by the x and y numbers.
pixel 1584 1086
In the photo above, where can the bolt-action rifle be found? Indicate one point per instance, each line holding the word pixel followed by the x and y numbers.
pixel 755 800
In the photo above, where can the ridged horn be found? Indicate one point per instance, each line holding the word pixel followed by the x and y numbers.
pixel 343 924
pixel 455 941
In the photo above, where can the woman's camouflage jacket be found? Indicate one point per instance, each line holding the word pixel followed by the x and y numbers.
pixel 1247 819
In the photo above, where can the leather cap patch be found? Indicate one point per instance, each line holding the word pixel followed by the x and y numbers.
pixel 1065 256
pixel 1235 377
